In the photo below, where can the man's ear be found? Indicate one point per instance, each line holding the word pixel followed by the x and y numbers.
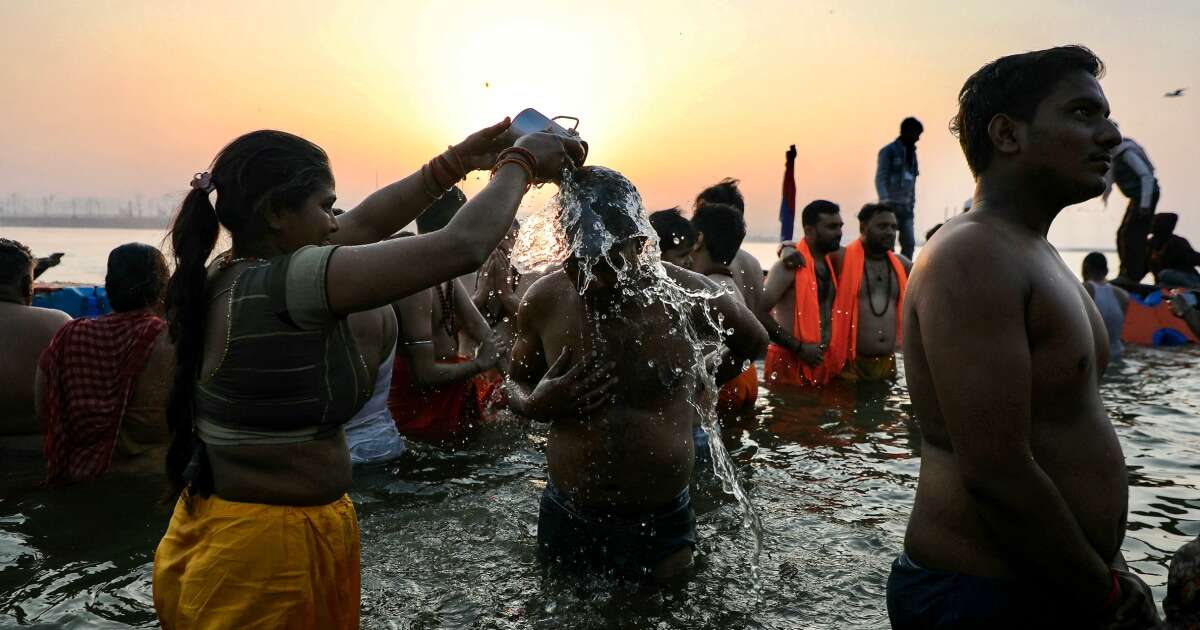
pixel 1005 134
pixel 699 246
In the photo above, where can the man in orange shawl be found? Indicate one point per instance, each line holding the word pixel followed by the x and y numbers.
pixel 866 311
pixel 802 301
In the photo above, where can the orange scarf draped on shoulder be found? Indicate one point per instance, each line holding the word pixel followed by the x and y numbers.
pixel 843 344
pixel 783 366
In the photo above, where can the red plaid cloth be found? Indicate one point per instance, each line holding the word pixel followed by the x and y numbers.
pixel 89 369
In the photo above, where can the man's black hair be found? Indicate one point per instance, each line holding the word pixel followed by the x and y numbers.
pixel 726 192
pixel 911 123
pixel 16 262
pixel 606 200
pixel 723 228
pixel 871 209
pixel 1014 85
pixel 1095 264
pixel 673 230
pixel 441 212
pixel 811 213
pixel 137 277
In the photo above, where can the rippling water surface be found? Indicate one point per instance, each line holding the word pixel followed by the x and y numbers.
pixel 448 538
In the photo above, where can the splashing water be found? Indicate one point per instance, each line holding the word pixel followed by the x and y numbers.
pixel 543 243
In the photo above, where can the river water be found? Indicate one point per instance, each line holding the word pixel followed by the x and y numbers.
pixel 448 538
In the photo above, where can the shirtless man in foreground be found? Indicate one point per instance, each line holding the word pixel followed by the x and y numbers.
pixel 26 332
pixel 616 379
pixel 1021 503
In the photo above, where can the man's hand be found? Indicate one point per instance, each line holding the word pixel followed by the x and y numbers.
pixel 564 392
pixel 1135 609
pixel 489 353
pixel 812 354
pixel 553 153
pixel 792 259
pixel 791 153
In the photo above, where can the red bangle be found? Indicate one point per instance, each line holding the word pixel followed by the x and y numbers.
pixel 519 162
pixel 1114 593
pixel 512 152
pixel 462 166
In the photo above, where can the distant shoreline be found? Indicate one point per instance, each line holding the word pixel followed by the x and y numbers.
pixel 118 223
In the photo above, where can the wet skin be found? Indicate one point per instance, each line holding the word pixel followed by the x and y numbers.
pixel 631 451
pixel 27 332
pixel 1021 474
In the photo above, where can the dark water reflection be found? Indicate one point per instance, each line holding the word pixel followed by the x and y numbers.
pixel 448 538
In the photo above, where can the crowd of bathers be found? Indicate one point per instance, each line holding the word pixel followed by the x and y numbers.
pixel 259 377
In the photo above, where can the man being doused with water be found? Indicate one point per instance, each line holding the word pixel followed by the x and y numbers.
pixel 1021 502
pixel 611 351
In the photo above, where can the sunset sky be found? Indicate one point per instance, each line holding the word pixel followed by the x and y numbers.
pixel 119 98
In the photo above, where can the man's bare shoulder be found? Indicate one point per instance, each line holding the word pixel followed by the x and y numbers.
pixel 747 263
pixel 35 319
pixel 972 265
pixel 688 278
pixel 546 291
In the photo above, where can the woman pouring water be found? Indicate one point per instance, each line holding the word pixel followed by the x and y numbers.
pixel 263 534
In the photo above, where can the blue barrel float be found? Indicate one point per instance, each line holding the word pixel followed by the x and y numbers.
pixel 74 300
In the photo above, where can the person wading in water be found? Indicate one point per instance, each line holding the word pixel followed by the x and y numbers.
pixel 263 533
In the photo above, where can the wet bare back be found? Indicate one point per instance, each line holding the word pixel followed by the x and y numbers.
pixel 1003 350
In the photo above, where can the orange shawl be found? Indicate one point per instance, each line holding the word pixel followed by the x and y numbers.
pixel 843 344
pixel 782 366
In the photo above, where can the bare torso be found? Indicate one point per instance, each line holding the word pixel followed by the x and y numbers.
pixel 26 332
pixel 878 294
pixel 1070 437
pixel 636 453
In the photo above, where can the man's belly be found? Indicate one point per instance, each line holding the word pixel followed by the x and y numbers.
pixel 625 461
pixel 947 531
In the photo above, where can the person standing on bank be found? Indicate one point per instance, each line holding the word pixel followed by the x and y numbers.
pixel 263 533
pixel 1023 493
pixel 896 180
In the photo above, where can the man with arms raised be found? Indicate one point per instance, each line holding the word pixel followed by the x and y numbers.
pixel 866 311
pixel 600 356
pixel 26 332
pixel 1021 503
pixel 802 298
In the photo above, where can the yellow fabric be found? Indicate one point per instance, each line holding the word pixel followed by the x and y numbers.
pixel 870 369
pixel 224 564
